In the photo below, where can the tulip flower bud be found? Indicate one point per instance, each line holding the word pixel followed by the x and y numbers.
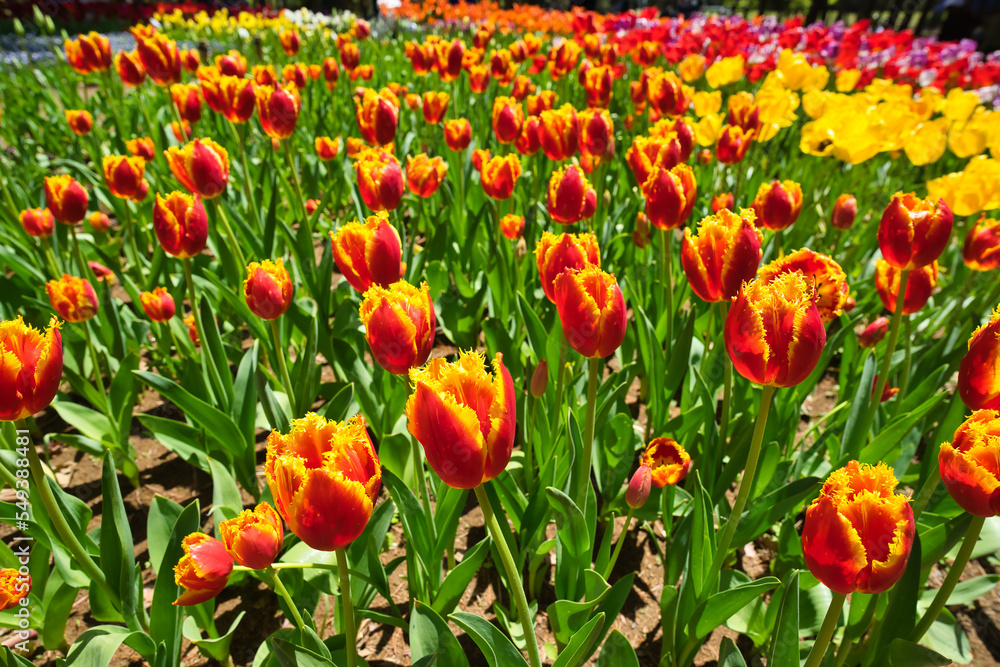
pixel 33 364
pixel 508 117
pixel 449 59
pixel 845 210
pixel 66 199
pixel 668 462
pixel 637 492
pixel 424 175
pixel 528 143
pixel 914 232
pixel 187 99
pixel 512 226
pixel 523 87
pixel 158 304
pixel 499 174
pixel 295 76
pixel 981 250
pixel 380 179
pixel 278 110
pixel 123 175
pixel 368 254
pixel 858 533
pixel 181 131
pixel 559 132
pixel 232 64
pixel 311 206
pixel 873 334
pixel 888 393
pixel 81 122
pixel 18 27
pixel 592 311
pixel 332 469
pixel 821 272
pixel 978 384
pixel 38 222
pixel 268 289
pixel 203 571
pixel 327 148
pixel 556 254
pixel 543 101
pixel 201 166
pixel 101 272
pixel 73 298
pixel 670 196
pixel 400 324
pixel 540 379
pixel 14 587
pixel 778 204
pixel 253 538
pixel 457 134
pixel 142 147
pixel 919 286
pixel 705 156
pixel 180 224
pixel 570 196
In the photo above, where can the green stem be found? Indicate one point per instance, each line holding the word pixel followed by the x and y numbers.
pixel 422 482
pixel 10 200
pixel 280 352
pixel 85 271
pixel 926 491
pixel 971 537
pixel 618 545
pixel 745 486
pixel 826 631
pixel 668 286
pixel 247 188
pixel 50 258
pixel 349 629
pixel 529 446
pixel 843 652
pixel 559 375
pixel 98 373
pixel 220 213
pixel 727 395
pixel 513 576
pixel 280 589
pixel 904 379
pixel 583 481
pixel 295 179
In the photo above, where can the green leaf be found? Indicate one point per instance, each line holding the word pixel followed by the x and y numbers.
pixel 904 653
pixel 163 514
pixel 572 539
pixel 217 648
pixel 226 497
pixel 890 435
pixel 537 336
pixel 117 549
pixel 702 537
pixel 966 592
pixel 729 655
pixel 412 515
pixel 291 655
pixel 719 607
pixel 785 640
pixel 617 652
pixel 581 645
pixel 455 584
pixel 851 441
pixel 431 636
pixel 97 646
pixel 901 612
pixel 91 423
pixel 498 650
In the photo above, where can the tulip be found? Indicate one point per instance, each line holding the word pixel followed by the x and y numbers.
pixel 232 64
pixel 641 235
pixel 268 289
pixel 350 55
pixel 325 477
pixel 264 75
pixel 570 196
pixel 967 464
pixel 723 254
pixel 845 210
pixel 873 334
pixel 412 101
pixel 377 117
pixel 507 119
pixel 555 255
pixel 778 204
pixel 129 68
pixel 721 201
pixel 233 97
pixel 563 58
pixel 540 379
pixel 421 57
pixel 499 175
pixel 522 88
pixel 435 106
pixel 424 175
pixel 598 84
pixel 668 462
pixel 203 571
pixel 449 59
pixel 821 272
pixel 327 148
pixel 81 122
pixel 158 304
pixel 464 417
pixel 774 333
pixel 638 487
pixel 667 94
pixel 528 142
pixel 981 250
pixel 311 206
pixel 201 166
pixel 919 286
pixel 368 254
pixel 457 134
pixel 649 153
pixel 38 222
pixel 978 384
pixel 331 72
pixel 670 196
pixel 399 325
pixel 290 42
pixel 543 101
pixel 592 311
pixel 914 232
pixel 888 393
pixel 187 100
pixel 181 131
pixel 160 57
pixel 295 75
pixel 191 59
pixel 512 226
pixel 31 364
pixel 142 147
pixel 180 224
pixel 192 328
pixel 559 132
pixel 253 538
pixel 88 53
pixel 101 272
pixel 73 298
pixel 14 587
pixel 744 113
pixel 597 134
pixel 732 144
pixel 278 110
pixel 66 199
pixel 380 179
pixel 99 222
pixel 123 175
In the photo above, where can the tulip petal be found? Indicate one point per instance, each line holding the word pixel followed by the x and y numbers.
pixel 450 434
pixel 832 547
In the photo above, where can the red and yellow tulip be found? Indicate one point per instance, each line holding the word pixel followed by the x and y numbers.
pixel 368 254
pixel 268 289
pixel 203 571
pixel 723 254
pixel 180 224
pixel 969 467
pixel 919 286
pixel 278 110
pixel 399 325
pixel 592 311
pixel 201 166
pixel 31 364
pixel 978 382
pixel 778 204
pixel 555 254
pixel 124 175
pixel 73 298
pixel 66 199
pixel 253 538
pixel 38 222
pixel 571 198
pixel 158 305
pixel 913 232
pixel 380 179
pixel 821 272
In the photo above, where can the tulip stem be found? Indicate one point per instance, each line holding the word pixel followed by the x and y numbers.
pixel 280 351
pixel 50 258
pixel 513 576
pixel 887 361
pixel 904 379
pixel 668 285
pixel 583 481
pixel 295 180
pixel 727 391
pixel 744 492
pixel 220 213
pixel 280 589
pixel 826 630
pixel 97 371
pixel 618 545
pixel 177 117
pixel 529 446
pixel 348 627
pixel 421 479
pixel 85 271
pixel 926 491
pixel 957 567
pixel 247 189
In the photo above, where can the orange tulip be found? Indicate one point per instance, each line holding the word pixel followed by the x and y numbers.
pixel 649 153
pixel 380 179
pixel 464 417
pixel 723 201
pixel 253 538
pixel 331 72
pixel 38 222
pixel 201 166
pixel 399 325
pixel 181 224
pixel 129 68
pixel 457 134
pixel 88 53
pixel 295 75
pixel 821 272
pixel 160 57
pixel 435 106
pixel 512 226
pixel 99 222
pixel 559 132
pixel 101 272
pixel 919 286
pixel 597 134
pixel 592 311
pixel 667 94
pixel 14 588
pixel 598 83
pixel 325 477
pixel 31 364
pixel 278 110
pixel 543 101
pixel 81 122
pixel 845 209
pixel 522 87
pixel 968 464
pixel 479 79
pixel 724 254
pixel 368 254
pixel 641 236
pixel 774 333
pixel 73 298
pixel 556 254
pixel 858 533
pixel 499 175
pixel 181 131
pixel 327 148
pixel 528 143
pixel 732 144
pixel 232 64
pixel 978 383
pixel 66 199
pixel 914 232
pixel 507 119
pixel 424 175
pixel 203 571
pixel 142 147
pixel 290 42
pixel 377 116
pixel 264 75
pixel 449 59
pixel 233 97
pixel 668 462
pixel 123 175
pixel 158 304
pixel 571 197
pixel 670 196
pixel 981 250
pixel 268 289
pixel 412 101
pixel 778 204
